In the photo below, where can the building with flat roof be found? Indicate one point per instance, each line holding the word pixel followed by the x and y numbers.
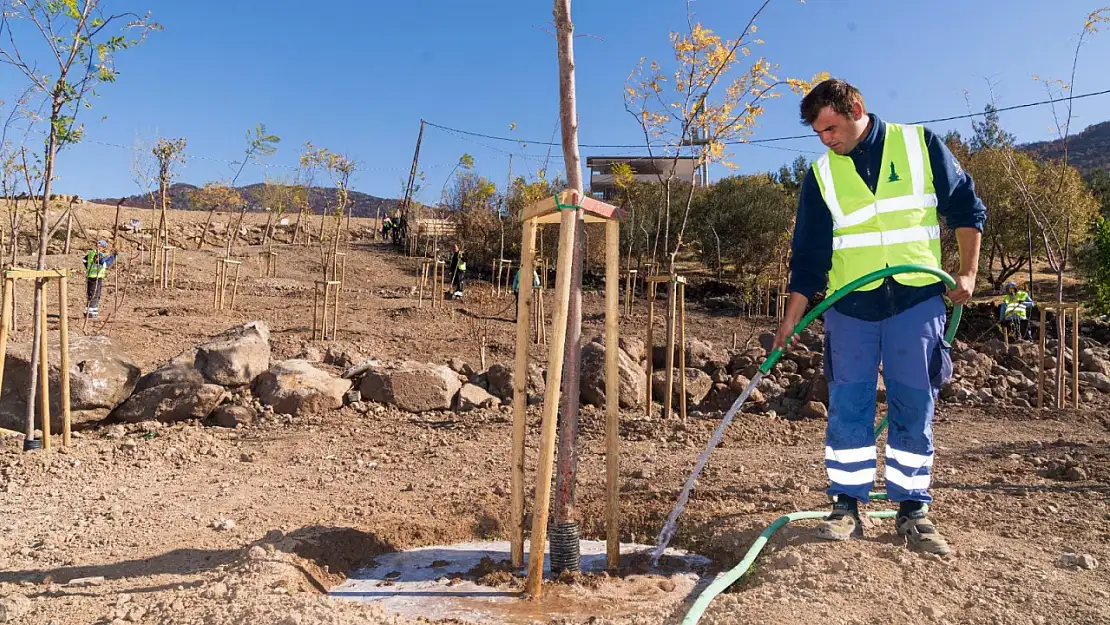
pixel 644 169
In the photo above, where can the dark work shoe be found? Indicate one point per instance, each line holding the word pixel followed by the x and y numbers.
pixel 921 534
pixel 843 523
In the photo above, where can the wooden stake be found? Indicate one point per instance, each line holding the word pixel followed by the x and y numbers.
pixel 315 307
pixel 1040 364
pixel 682 349
pixel 520 400
pixel 5 324
pixel 235 284
pixel 335 312
pixel 672 303
pixel 420 284
pixel 650 352
pixel 551 404
pixel 1075 357
pixel 44 369
pixel 63 347
pixel 612 397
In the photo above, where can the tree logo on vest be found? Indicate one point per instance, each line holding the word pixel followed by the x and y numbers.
pixel 893 174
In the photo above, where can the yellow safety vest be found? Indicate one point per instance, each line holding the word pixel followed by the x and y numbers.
pixel 94 268
pixel 1015 305
pixel 895 225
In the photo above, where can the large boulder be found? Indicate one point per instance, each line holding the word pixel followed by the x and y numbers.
pixel 232 416
pixel 296 387
pixel 633 346
pixel 1097 380
pixel 179 370
pixel 170 403
pixel 698 384
pixel 101 376
pixel 236 356
pixel 701 354
pixel 472 397
pixel 630 377
pixel 412 386
pixel 499 381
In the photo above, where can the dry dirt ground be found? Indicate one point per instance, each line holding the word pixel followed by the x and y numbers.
pixel 191 524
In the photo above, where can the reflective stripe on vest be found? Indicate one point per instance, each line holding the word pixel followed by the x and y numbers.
pixel 1015 305
pixel 93 267
pixel 897 224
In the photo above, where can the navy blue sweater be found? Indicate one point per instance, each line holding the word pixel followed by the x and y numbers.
pixel 811 255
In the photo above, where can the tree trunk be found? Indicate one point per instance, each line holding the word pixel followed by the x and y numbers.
pixel 266 231
pixel 115 226
pixel 234 235
pixel 567 463
pixel 1029 239
pixel 44 227
pixel 204 233
pixel 69 230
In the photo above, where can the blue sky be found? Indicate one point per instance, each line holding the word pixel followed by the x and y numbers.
pixel 357 76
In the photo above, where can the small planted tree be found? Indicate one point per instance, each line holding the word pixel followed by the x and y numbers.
pixel 78 42
pixel 168 153
pixel 340 167
pixel 706 102
pixel 215 197
pixel 309 164
pixel 259 144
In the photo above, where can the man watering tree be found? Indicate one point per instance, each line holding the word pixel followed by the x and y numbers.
pixel 872 201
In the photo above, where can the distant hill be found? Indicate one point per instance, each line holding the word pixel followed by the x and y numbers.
pixel 1087 150
pixel 364 205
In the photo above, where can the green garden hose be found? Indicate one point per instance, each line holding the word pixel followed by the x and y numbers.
pixel 730 577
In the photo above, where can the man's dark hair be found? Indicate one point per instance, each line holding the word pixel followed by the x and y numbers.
pixel 832 92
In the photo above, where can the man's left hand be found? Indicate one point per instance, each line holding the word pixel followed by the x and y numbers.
pixel 965 287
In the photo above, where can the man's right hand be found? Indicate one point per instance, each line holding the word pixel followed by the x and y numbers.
pixel 795 310
pixel 784 333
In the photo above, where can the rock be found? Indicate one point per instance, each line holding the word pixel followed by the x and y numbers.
pixel 700 354
pixel 698 384
pixel 814 410
pixel 499 378
pixel 461 367
pixel 739 383
pixel 630 377
pixel 296 387
pixel 170 403
pixel 342 356
pixel 13 607
pixel 115 432
pixel 1076 474
pixel 236 356
pixel 101 377
pixel 1097 380
pixel 1087 562
pixel 632 346
pixel 180 369
pixel 766 340
pixel 818 389
pixel 1067 560
pixel 310 353
pixel 1089 361
pixel 472 397
pixel 233 416
pixel 413 386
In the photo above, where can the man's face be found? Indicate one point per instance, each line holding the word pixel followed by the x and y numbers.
pixel 839 133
